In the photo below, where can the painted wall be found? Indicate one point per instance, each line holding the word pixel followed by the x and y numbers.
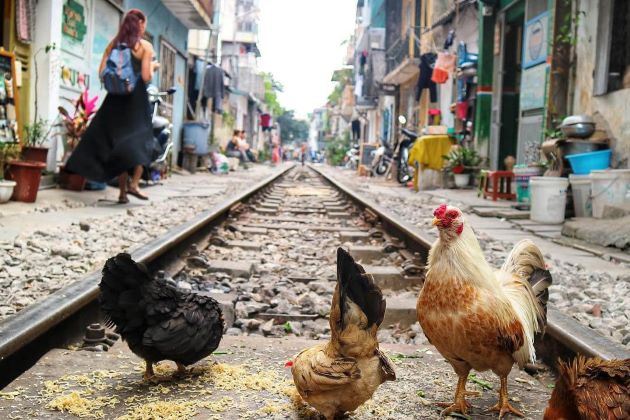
pixel 611 111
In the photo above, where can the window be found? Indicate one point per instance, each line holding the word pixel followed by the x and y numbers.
pixel 167 74
pixel 612 63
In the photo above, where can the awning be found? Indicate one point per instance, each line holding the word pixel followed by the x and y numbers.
pixel 405 71
pixel 194 14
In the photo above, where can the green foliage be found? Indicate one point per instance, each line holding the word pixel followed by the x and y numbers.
pixel 271 96
pixel 462 160
pixel 264 154
pixel 292 129
pixel 336 149
pixel 8 151
pixel 228 119
pixel 36 132
pixel 343 77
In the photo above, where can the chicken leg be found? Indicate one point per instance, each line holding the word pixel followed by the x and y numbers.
pixel 148 372
pixel 181 370
pixel 503 406
pixel 460 405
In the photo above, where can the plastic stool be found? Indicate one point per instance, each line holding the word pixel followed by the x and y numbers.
pixel 498 184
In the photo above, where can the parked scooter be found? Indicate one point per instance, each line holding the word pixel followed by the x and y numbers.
pixel 405 172
pixel 382 158
pixel 162 140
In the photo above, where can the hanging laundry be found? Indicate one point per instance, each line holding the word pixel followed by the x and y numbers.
pixel 358 86
pixel 427 61
pixel 444 65
pixel 213 87
pixel 363 62
pixel 265 122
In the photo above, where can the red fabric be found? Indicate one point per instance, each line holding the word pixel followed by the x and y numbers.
pixel 461 110
pixel 439 76
pixel 265 120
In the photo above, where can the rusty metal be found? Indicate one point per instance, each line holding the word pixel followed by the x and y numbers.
pixel 565 336
pixel 19 330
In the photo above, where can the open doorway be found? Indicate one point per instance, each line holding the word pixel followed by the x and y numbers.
pixel 506 84
pixel 510 91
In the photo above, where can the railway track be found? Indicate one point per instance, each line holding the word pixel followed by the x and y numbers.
pixel 304 205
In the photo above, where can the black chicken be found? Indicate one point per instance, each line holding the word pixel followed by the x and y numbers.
pixel 158 320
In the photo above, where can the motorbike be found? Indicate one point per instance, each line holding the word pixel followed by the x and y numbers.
pixel 352 157
pixel 382 158
pixel 162 140
pixel 405 172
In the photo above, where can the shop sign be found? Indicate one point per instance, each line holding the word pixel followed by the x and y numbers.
pixel 533 82
pixel 74 79
pixel 535 42
pixel 74 20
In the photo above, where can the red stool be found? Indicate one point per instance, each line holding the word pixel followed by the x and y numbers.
pixel 498 184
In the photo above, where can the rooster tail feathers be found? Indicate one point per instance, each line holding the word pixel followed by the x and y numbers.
pixel 357 286
pixel 524 258
pixel 121 283
pixel 527 289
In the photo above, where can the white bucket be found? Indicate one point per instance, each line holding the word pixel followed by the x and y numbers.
pixel 609 187
pixel 548 196
pixel 581 188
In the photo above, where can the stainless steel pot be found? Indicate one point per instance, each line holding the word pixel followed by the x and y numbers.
pixel 580 126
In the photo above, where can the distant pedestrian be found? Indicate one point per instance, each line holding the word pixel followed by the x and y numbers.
pixel 303 150
pixel 119 139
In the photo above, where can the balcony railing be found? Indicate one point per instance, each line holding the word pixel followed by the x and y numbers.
pixel 399 51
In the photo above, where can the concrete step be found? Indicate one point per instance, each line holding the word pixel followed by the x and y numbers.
pixel 252 230
pixel 400 311
pixel 233 268
pixel 386 277
pixel 246 245
pixel 353 236
pixel 366 253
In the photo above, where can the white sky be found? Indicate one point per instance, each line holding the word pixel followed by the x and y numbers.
pixel 299 41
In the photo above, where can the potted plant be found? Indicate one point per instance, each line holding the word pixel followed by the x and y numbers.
pixel 8 151
pixel 462 161
pixel 75 125
pixel 36 134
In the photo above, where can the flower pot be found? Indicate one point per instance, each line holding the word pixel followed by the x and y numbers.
pixel 70 181
pixel 35 154
pixel 461 180
pixel 6 190
pixel 27 175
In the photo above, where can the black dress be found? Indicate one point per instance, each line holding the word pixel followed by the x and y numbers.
pixel 118 138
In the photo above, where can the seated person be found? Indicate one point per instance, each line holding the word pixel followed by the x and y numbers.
pixel 233 150
pixel 244 146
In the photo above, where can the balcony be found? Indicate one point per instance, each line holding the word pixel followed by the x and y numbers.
pixel 402 59
pixel 194 14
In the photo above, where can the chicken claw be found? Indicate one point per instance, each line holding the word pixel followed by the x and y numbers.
pixel 503 406
pixel 504 409
pixel 460 405
pixel 181 371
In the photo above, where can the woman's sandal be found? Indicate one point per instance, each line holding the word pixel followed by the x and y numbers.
pixel 137 194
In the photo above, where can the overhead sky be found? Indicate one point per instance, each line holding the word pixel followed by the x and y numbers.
pixel 300 43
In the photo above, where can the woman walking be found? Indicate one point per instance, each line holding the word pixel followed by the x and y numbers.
pixel 118 142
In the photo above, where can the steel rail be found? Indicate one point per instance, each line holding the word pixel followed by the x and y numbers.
pixel 573 337
pixel 29 324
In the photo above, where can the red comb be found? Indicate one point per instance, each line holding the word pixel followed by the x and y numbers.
pixel 289 363
pixel 439 212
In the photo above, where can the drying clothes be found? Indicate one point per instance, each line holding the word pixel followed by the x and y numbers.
pixel 358 86
pixel 424 81
pixel 362 62
pixel 213 87
pixel 356 130
pixel 429 150
pixel 444 65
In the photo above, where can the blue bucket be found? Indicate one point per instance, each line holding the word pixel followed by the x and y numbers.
pixel 584 163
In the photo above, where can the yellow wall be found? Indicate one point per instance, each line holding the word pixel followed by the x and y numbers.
pixel 22 55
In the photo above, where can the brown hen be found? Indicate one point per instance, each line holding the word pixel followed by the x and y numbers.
pixel 591 389
pixel 340 375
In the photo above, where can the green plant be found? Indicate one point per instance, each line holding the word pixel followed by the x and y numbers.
pixel 8 151
pixel 36 132
pixel 462 160
pixel 264 154
pixel 336 149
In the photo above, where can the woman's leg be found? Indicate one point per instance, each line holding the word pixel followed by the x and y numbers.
pixel 122 187
pixel 134 185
